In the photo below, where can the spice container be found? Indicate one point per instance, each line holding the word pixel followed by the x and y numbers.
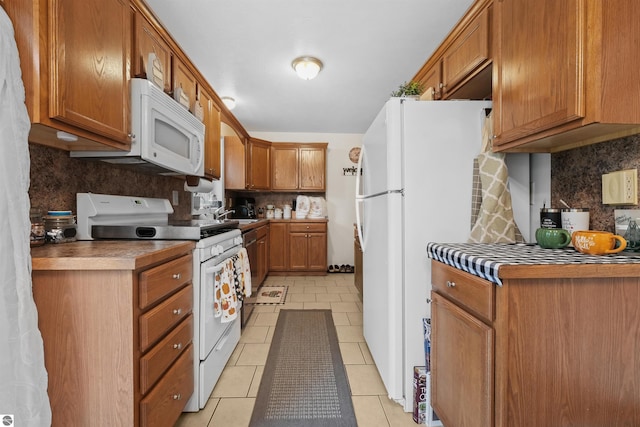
pixel 60 227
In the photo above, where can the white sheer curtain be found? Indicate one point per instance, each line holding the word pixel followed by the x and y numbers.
pixel 23 378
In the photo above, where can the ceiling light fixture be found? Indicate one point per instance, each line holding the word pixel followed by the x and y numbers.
pixel 229 102
pixel 307 67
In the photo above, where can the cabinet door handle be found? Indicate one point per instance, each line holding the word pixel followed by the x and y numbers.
pixel 451 284
pixel 177 276
pixel 178 346
pixel 177 311
pixel 177 396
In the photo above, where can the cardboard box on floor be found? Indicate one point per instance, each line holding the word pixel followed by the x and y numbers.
pixel 422 411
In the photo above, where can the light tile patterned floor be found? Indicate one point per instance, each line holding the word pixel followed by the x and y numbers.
pixel 232 400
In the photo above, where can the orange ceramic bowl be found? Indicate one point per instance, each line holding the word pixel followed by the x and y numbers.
pixel 597 242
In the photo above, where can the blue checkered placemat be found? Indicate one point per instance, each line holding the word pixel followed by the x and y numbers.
pixel 485 259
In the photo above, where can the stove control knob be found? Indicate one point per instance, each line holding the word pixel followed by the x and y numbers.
pixel 220 249
pixel 237 241
pixel 214 250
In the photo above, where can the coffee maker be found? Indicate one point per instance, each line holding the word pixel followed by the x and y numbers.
pixel 244 207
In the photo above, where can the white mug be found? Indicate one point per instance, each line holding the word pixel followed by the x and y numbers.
pixel 575 220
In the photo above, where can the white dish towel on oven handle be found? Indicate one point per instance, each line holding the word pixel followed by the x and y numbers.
pixel 225 300
pixel 242 274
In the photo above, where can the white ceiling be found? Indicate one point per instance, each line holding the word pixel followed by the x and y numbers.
pixel 244 49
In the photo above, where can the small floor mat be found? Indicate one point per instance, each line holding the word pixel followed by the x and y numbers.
pixel 304 382
pixel 269 295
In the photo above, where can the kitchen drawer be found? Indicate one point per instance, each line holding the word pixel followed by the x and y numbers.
pixel 468 291
pixel 160 357
pixel 305 227
pixel 165 402
pixel 158 282
pixel 156 322
pixel 262 231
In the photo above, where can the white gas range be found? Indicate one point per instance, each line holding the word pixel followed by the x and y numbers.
pixel 103 216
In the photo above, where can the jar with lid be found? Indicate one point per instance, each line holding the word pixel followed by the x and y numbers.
pixel 270 211
pixel 60 227
pixel 37 237
pixel 286 211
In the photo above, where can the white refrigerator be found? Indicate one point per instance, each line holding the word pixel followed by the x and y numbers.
pixel 414 186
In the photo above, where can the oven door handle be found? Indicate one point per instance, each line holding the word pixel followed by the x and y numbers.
pixel 213 269
pixel 218 267
pixel 223 340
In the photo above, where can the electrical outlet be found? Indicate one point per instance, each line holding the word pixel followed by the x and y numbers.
pixel 620 187
pixel 175 198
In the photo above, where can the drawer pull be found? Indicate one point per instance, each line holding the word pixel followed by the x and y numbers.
pixel 451 284
pixel 177 311
pixel 177 276
pixel 177 396
pixel 177 346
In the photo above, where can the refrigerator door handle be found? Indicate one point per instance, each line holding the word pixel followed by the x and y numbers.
pixel 358 171
pixel 359 225
pixel 382 193
pixel 359 200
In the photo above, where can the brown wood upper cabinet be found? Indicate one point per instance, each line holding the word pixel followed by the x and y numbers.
pixel 150 37
pixel 235 163
pixel 298 167
pixel 461 67
pixel 565 73
pixel 259 164
pixel 148 40
pixel 75 71
pixel 184 79
pixel 211 119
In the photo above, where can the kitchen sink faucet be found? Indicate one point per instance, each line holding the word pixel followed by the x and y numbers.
pixel 221 215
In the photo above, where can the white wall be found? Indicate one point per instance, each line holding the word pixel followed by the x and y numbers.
pixel 340 193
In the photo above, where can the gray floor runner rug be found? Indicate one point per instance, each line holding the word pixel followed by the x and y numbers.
pixel 304 382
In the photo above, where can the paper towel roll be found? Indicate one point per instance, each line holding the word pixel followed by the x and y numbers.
pixel 204 186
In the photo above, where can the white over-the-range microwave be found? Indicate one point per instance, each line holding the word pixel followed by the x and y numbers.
pixel 166 138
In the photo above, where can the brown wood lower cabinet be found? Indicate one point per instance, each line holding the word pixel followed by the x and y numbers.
pixel 298 247
pixel 278 246
pixel 540 350
pixel 308 247
pixel 262 253
pixel 117 328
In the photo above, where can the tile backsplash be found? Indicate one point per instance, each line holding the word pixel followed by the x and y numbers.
pixel 576 176
pixel 56 178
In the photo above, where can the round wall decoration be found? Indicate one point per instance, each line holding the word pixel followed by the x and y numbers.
pixel 354 154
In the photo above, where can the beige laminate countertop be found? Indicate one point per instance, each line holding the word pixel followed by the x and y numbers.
pixel 106 254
